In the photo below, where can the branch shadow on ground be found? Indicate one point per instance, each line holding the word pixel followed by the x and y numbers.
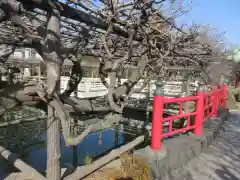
pixel 221 160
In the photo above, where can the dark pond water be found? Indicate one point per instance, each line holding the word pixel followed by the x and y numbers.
pixel 29 141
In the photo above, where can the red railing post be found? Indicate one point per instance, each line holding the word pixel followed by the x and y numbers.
pixel 222 95
pixel 200 112
pixel 219 95
pixel 157 119
pixel 214 102
pixel 157 123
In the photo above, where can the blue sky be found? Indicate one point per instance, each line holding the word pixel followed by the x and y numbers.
pixel 223 15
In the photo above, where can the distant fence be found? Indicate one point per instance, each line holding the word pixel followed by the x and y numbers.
pixel 93 87
pixel 206 106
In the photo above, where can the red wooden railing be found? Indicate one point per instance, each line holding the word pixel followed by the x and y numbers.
pixel 206 106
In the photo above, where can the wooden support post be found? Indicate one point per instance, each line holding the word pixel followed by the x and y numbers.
pixel 75 147
pixel 100 138
pixel 148 102
pixel 116 135
pixel 186 91
pixel 53 143
pixel 39 72
pixel 75 156
pixel 53 146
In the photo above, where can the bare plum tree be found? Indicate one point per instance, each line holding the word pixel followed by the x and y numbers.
pixel 132 33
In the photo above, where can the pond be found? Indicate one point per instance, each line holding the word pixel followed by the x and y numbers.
pixel 28 140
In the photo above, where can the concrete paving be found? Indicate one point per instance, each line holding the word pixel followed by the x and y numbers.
pixel 221 160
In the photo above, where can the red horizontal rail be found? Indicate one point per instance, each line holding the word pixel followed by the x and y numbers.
pixel 206 106
pixel 212 92
pixel 178 117
pixel 178 131
pixel 180 100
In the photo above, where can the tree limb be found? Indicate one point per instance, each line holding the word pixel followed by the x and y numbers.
pixel 19 164
pixel 83 171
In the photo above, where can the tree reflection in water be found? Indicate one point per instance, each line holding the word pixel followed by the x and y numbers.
pixel 29 141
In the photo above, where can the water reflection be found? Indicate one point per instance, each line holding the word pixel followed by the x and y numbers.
pixel 89 147
pixel 21 112
pixel 29 141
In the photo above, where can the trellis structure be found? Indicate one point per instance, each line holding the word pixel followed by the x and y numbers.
pixel 134 33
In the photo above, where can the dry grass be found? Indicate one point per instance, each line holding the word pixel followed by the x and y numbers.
pixel 135 167
pixel 131 168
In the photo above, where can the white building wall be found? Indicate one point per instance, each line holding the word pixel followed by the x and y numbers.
pixel 18 54
pixel 93 87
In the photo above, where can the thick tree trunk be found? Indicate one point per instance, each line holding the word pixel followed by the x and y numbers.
pixel 53 146
pixel 53 62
